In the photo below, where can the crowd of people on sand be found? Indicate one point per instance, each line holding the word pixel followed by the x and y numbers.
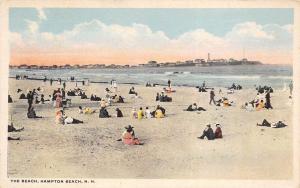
pixel 158 112
pixel 58 97
pixel 261 101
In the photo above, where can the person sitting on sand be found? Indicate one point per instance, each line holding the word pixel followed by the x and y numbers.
pixel 95 98
pixel 163 110
pixel 31 113
pixel 260 105
pixel 132 91
pixel 264 123
pixel 103 103
pixel 103 113
pixel 80 110
pixel 164 98
pixel 128 137
pixel 22 96
pixel 11 128
pixel 148 84
pixel 208 132
pixel 218 131
pixel 157 97
pixel 148 113
pixel 119 113
pixel 120 99
pixel 37 100
pixel 9 99
pixel 202 89
pixel 140 113
pixel 226 102
pixel 43 99
pixel 59 117
pixel 134 114
pixel 83 96
pixel 248 107
pixel 158 113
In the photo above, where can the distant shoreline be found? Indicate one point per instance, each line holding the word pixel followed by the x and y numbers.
pixel 55 67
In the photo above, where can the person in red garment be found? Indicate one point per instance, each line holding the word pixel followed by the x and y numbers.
pixel 218 131
pixel 128 137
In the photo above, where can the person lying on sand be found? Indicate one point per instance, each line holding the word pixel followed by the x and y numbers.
pixel 103 113
pixel 11 138
pixel 278 124
pixel 128 137
pixel 208 132
pixel 11 128
pixel 193 107
pixel 70 120
pixel 31 113
pixel 86 110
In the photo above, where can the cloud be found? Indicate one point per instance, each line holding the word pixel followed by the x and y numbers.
pixel 250 30
pixel 32 26
pixel 140 40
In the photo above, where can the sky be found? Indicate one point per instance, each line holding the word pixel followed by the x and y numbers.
pixel 47 36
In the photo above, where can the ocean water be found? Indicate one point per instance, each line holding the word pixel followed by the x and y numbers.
pixel 277 76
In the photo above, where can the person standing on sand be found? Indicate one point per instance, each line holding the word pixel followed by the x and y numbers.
pixel 268 101
pixel 51 81
pixel 212 96
pixel 291 88
pixel 64 85
pixel 29 99
pixel 169 83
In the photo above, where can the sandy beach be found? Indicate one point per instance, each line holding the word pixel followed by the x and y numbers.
pixel 171 148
